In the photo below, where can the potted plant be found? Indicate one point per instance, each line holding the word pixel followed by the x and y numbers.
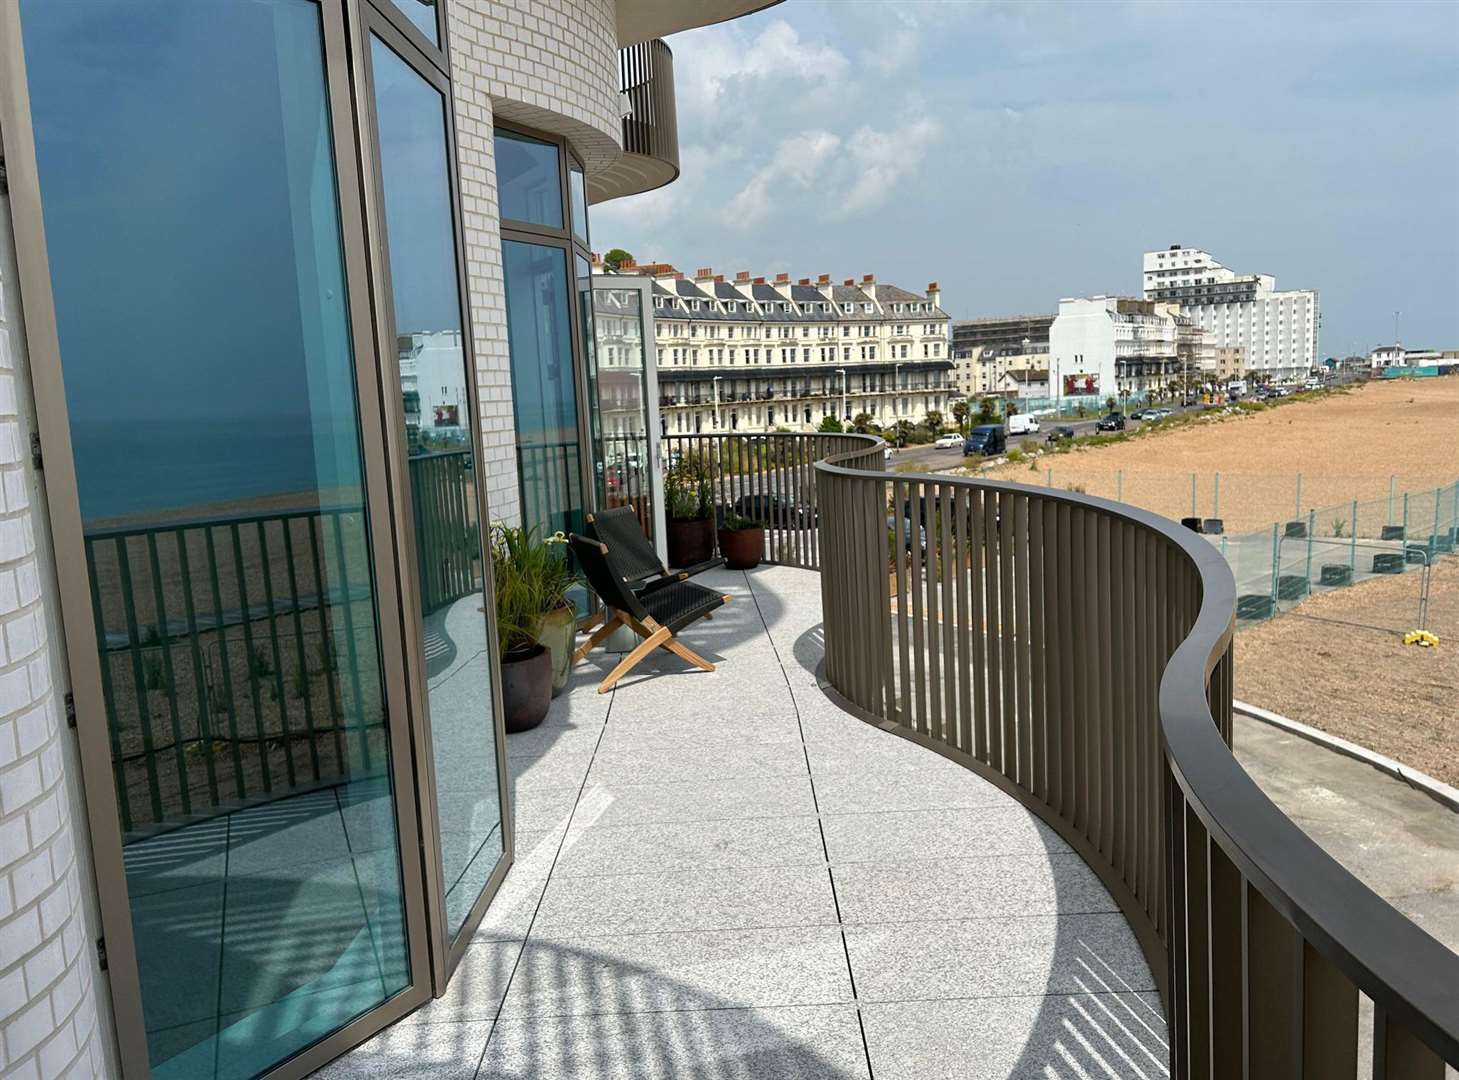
pixel 688 494
pixel 741 541
pixel 534 620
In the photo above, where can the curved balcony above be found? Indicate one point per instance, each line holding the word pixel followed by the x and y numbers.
pixel 650 156
pixel 643 20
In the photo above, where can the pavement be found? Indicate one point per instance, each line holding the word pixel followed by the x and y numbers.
pixel 1401 843
pixel 725 876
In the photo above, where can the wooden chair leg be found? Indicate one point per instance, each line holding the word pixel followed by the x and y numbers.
pixel 679 649
pixel 592 620
pixel 596 636
pixel 629 662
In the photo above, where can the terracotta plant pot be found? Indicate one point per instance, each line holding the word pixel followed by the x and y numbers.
pixel 526 687
pixel 559 627
pixel 742 548
pixel 690 541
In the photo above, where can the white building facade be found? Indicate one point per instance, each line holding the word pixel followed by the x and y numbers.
pixel 1110 346
pixel 1278 329
pixel 758 354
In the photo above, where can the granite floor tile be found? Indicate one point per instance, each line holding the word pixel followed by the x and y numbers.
pixel 996 957
pixel 672 971
pixel 719 761
pixel 968 888
pixel 1110 1036
pixel 938 834
pixel 699 845
pixel 706 800
pixel 687 900
pixel 793 1043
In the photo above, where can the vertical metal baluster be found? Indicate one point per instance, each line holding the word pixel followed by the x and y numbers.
pixel 164 644
pixel 113 722
pixel 900 572
pixel 1023 651
pixel 992 578
pixel 917 533
pixel 195 655
pixel 328 656
pixel 286 734
pixel 964 709
pixel 301 655
pixel 139 682
pixel 1008 630
pixel 979 627
pixel 246 621
pixel 1038 650
pixel 240 785
pixel 931 510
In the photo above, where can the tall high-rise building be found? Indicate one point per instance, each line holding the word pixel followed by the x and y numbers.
pixel 1277 329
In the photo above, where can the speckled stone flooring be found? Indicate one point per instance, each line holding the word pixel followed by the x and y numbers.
pixel 723 875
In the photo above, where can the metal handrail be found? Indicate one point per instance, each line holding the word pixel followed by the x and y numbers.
pixel 1261 942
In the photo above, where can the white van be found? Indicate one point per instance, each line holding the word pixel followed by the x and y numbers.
pixel 1023 424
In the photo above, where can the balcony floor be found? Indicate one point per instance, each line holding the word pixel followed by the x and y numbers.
pixel 723 875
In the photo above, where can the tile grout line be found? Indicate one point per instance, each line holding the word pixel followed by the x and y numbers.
pixel 546 884
pixel 820 825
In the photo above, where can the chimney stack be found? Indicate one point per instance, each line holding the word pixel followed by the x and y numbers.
pixel 934 293
pixel 804 281
pixel 719 279
pixel 759 281
pixel 868 279
pixel 849 282
pixel 626 265
pixel 742 276
pixel 704 273
pixel 782 279
pixel 824 279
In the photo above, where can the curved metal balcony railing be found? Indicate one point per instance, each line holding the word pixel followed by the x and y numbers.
pixel 650 156
pixel 1077 653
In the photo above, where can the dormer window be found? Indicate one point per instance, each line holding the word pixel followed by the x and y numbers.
pixel 696 305
pixel 732 306
pixel 825 307
pixel 784 307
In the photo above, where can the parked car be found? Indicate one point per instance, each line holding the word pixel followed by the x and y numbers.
pixel 948 442
pixel 1063 431
pixel 1141 414
pixel 985 440
pixel 1113 422
pixel 1156 414
pixel 774 510
pixel 1023 424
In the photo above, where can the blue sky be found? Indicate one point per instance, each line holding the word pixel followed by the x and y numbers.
pixel 1020 152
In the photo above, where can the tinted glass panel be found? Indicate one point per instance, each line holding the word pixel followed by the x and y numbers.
pixel 539 334
pixel 191 217
pixel 529 186
pixel 621 400
pixel 423 14
pixel 577 190
pixel 423 272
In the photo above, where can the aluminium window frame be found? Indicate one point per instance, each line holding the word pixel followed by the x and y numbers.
pixel 379 19
pixel 62 507
pixel 562 238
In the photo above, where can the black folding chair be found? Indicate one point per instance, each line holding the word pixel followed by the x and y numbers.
pixel 634 555
pixel 656 614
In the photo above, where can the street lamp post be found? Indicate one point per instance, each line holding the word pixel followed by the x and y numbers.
pixel 842 372
pixel 716 399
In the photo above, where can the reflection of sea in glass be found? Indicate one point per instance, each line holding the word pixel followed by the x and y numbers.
pixel 193 234
pixel 413 164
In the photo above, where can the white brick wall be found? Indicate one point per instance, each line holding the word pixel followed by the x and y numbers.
pixel 48 976
pixel 551 65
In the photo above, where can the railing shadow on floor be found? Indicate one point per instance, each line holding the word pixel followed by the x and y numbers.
pixel 1078 652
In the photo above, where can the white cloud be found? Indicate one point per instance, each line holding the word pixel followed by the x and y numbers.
pixel 877 161
pixel 722 65
pixel 798 163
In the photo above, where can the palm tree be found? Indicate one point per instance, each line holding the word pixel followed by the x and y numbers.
pixel 934 421
pixel 960 416
pixel 862 423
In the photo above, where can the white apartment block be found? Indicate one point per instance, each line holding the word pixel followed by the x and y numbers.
pixel 1109 346
pixel 1277 329
pixel 758 355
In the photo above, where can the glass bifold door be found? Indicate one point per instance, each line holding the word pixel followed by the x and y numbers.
pixel 238 227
